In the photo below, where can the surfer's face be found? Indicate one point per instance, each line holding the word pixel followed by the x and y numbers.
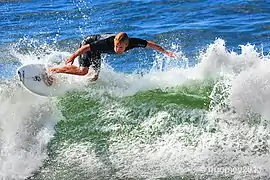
pixel 119 47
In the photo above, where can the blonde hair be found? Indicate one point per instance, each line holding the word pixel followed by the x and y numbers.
pixel 121 37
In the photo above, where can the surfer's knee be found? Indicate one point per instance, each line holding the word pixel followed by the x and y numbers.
pixel 83 71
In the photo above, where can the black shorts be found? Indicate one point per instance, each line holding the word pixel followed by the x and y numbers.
pixel 89 58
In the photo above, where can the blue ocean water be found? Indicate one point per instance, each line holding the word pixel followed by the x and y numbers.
pixel 202 115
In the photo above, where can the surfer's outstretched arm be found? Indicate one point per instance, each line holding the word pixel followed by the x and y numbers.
pixel 159 48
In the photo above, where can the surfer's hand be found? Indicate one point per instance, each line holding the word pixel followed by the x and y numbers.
pixel 69 60
pixel 170 54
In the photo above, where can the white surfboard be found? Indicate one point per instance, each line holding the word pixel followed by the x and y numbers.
pixel 34 78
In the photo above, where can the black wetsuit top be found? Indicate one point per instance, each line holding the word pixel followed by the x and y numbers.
pixel 107 45
pixel 103 46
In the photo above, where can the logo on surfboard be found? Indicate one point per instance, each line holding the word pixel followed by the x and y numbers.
pixel 37 78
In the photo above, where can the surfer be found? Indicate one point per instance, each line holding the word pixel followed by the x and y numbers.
pixel 92 46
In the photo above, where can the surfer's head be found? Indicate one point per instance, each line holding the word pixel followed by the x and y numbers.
pixel 120 42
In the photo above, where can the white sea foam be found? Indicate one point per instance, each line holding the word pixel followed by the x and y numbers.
pixel 27 125
pixel 233 140
pixel 235 135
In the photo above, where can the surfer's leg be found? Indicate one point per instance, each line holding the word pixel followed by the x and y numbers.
pixel 84 60
pixel 70 69
pixel 87 59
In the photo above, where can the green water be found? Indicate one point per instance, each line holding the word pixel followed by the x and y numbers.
pixel 96 123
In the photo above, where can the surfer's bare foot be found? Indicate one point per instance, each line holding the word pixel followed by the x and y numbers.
pixel 48 80
pixel 94 78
